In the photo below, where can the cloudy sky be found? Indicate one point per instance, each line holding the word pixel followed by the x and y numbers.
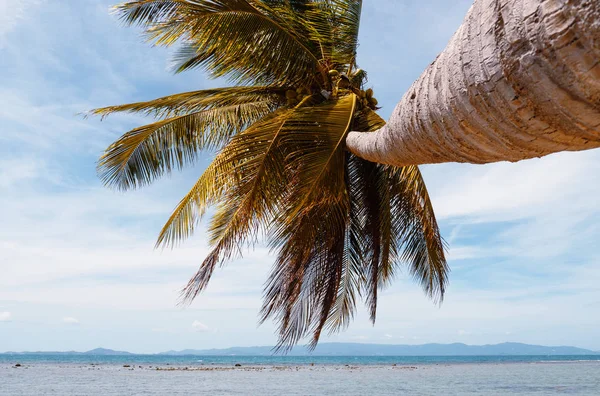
pixel 77 264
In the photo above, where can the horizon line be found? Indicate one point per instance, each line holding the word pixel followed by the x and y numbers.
pixel 298 346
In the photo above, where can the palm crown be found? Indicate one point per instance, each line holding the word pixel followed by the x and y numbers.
pixel 340 225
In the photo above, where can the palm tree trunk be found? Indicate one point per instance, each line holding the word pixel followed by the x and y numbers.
pixel 519 79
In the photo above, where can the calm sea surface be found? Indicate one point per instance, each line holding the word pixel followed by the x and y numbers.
pixel 210 375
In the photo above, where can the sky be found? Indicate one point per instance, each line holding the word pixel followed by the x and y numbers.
pixel 77 260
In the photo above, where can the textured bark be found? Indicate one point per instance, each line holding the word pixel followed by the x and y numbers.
pixel 519 79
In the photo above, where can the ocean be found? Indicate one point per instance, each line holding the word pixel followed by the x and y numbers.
pixel 71 375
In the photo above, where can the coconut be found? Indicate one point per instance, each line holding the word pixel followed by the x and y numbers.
pixel 373 101
pixel 290 94
pixel 334 73
pixel 369 93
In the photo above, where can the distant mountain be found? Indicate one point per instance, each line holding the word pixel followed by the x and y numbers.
pixel 347 349
pixel 93 352
pixel 106 352
pixel 42 353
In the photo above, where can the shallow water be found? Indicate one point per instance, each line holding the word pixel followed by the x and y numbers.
pixel 273 360
pixel 541 378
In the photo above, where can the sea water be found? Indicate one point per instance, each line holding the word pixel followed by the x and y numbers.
pixel 264 375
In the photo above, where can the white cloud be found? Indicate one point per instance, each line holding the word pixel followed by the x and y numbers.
pixel 11 11
pixel 388 336
pixel 71 243
pixel 200 327
pixel 70 320
pixel 456 252
pixel 509 191
pixel 526 217
pixel 20 169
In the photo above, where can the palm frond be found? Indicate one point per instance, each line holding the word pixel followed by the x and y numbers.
pixel 408 222
pixel 149 12
pixel 145 153
pixel 207 191
pixel 367 120
pixel 310 230
pixel 341 226
pixel 315 141
pixel 189 102
pixel 348 24
pixel 334 25
pixel 370 195
pixel 216 36
pixel 255 158
pixel 347 238
pixel 354 274
pixel 305 283
pixel 418 241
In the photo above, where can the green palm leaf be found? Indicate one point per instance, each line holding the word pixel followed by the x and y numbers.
pixel 314 140
pixel 145 153
pixel 255 158
pixel 334 25
pixel 347 237
pixel 216 36
pixel 309 230
pixel 418 241
pixel 207 191
pixel 341 227
pixel 189 102
pixel 409 218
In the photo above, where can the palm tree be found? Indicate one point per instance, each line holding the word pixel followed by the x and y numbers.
pixel 519 79
pixel 340 225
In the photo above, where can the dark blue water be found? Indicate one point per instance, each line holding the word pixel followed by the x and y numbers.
pixel 194 360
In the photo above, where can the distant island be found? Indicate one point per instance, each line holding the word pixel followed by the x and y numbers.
pixel 93 352
pixel 352 349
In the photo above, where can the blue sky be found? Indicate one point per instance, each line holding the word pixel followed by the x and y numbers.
pixel 77 264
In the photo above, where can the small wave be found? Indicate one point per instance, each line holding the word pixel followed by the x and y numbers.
pixel 568 361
